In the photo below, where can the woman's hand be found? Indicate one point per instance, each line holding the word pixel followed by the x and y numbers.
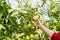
pixel 37 22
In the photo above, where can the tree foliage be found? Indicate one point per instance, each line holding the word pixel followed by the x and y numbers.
pixel 18 24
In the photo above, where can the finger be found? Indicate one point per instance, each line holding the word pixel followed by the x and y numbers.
pixel 37 22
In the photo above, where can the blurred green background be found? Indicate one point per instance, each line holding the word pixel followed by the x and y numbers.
pixel 16 19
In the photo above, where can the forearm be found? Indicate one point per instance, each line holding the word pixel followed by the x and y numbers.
pixel 46 30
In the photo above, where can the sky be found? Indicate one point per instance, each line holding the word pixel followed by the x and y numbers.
pixel 14 3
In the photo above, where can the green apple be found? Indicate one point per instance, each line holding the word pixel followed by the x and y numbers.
pixel 31 36
pixel 20 11
pixel 27 37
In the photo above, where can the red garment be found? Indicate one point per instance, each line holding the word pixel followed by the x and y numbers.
pixel 55 36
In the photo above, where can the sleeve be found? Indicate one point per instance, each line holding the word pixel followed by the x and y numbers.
pixel 55 36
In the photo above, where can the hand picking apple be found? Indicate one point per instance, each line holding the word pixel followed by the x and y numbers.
pixel 35 18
